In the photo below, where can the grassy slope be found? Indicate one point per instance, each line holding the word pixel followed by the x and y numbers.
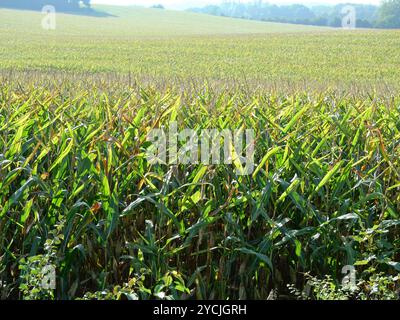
pixel 158 43
pixel 143 22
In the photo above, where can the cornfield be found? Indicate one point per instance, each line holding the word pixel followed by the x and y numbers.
pixel 77 192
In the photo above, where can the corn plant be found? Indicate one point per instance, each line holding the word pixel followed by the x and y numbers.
pixel 324 192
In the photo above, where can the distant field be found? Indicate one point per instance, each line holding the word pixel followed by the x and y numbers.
pixel 158 43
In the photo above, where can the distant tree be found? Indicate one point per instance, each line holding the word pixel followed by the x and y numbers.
pixel 60 5
pixel 362 23
pixel 389 14
pixel 368 16
pixel 321 15
pixel 320 21
pixel 86 3
pixel 336 22
pixel 157 6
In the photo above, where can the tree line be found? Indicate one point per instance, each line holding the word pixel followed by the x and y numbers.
pixel 387 15
pixel 60 5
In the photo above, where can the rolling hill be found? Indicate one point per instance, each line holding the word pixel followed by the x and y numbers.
pixel 171 44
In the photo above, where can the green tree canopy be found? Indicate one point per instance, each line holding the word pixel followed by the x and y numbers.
pixel 389 14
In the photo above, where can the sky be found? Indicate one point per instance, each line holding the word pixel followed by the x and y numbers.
pixel 182 4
